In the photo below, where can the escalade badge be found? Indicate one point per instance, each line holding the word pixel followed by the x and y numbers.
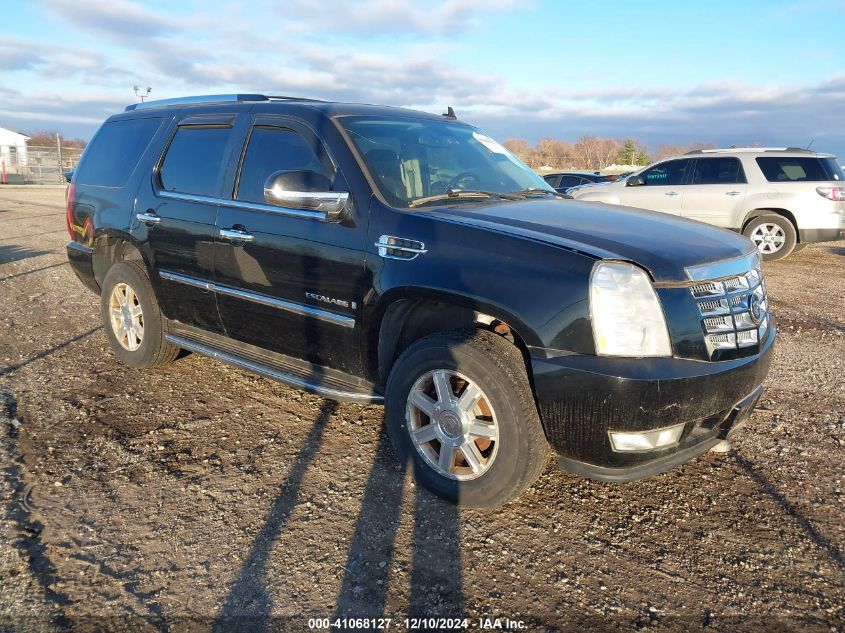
pixel 338 302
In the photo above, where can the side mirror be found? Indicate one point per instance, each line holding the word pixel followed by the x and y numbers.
pixel 68 175
pixel 306 190
pixel 635 181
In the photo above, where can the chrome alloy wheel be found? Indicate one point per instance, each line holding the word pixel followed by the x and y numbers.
pixel 452 424
pixel 768 237
pixel 126 317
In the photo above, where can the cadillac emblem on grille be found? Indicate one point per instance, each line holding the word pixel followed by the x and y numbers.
pixel 756 308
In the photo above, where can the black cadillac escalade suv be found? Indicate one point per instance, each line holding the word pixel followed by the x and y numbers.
pixel 375 254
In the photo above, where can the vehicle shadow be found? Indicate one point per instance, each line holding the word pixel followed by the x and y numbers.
pixel 436 589
pixel 249 605
pixel 436 584
pixel 10 369
pixel 14 253
pixel 770 489
pixel 34 270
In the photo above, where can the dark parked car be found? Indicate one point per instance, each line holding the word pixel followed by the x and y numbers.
pixel 566 180
pixel 375 254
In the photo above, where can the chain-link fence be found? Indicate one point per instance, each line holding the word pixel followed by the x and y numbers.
pixel 30 164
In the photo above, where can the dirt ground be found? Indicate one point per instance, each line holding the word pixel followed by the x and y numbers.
pixel 201 497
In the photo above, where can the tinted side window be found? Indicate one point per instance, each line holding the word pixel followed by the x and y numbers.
pixel 718 171
pixel 273 149
pixel 668 173
pixel 792 169
pixel 115 151
pixel 194 159
pixel 832 168
pixel 552 180
pixel 570 181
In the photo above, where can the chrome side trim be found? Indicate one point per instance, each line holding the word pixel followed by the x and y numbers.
pixel 188 281
pixel 287 306
pixel 263 370
pixel 304 214
pixel 188 197
pixel 725 268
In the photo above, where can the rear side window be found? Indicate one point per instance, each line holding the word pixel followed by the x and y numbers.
pixel 798 169
pixel 115 151
pixel 273 149
pixel 668 173
pixel 193 160
pixel 718 171
pixel 833 168
pixel 570 181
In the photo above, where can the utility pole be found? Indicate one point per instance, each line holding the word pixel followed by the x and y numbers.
pixel 59 155
pixel 139 95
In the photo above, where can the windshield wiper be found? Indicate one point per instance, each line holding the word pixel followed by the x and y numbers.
pixel 531 191
pixel 453 194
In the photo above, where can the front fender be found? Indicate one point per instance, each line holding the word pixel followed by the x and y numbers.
pixel 539 289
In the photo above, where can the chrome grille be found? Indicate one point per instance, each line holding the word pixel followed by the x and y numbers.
pixel 734 310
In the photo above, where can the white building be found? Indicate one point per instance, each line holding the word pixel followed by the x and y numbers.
pixel 12 148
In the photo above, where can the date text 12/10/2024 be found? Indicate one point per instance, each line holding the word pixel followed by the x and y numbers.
pixel 413 624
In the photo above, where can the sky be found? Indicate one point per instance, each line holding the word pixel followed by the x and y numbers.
pixel 739 72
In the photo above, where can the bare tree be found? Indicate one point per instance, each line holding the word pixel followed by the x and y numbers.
pixel 47 138
pixel 523 151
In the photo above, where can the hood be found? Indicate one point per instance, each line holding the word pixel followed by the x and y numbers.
pixel 661 243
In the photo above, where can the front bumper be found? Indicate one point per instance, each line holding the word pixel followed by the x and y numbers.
pixel 582 398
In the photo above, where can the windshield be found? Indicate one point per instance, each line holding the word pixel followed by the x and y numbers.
pixel 412 159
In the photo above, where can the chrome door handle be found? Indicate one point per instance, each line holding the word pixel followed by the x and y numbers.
pixel 733 193
pixel 671 193
pixel 236 235
pixel 148 218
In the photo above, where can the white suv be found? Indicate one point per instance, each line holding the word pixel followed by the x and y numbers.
pixel 781 199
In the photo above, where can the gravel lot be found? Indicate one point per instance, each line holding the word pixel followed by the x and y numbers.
pixel 199 496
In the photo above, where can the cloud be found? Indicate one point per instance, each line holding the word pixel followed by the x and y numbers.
pixel 329 52
pixel 56 61
pixel 396 16
pixel 115 19
pixel 14 55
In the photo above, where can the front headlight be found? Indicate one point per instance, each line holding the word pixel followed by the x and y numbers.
pixel 625 311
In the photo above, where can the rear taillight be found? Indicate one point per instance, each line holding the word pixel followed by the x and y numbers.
pixel 71 192
pixel 832 193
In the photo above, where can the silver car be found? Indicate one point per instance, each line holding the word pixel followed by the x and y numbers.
pixel 780 198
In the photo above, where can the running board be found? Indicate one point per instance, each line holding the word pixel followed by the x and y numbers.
pixel 326 383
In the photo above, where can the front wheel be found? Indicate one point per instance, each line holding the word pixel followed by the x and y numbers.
pixel 773 235
pixel 460 409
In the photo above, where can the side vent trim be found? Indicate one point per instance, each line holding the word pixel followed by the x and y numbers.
pixel 391 247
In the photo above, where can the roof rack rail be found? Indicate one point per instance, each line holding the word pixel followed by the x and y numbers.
pixel 288 98
pixel 794 150
pixel 798 150
pixel 202 99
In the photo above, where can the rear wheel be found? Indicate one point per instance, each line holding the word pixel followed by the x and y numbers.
pixel 773 235
pixel 133 322
pixel 460 409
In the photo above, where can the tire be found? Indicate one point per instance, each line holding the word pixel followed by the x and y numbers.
pixel 800 247
pixel 142 347
pixel 774 236
pixel 504 467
